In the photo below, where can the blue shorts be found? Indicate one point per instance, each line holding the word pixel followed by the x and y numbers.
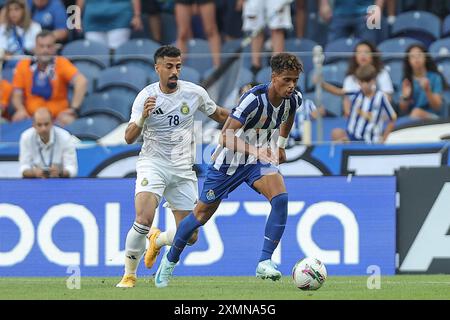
pixel 218 185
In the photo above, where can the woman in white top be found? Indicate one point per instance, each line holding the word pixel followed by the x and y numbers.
pixel 365 53
pixel 18 32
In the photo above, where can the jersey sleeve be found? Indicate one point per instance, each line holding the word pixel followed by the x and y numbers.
pixel 247 104
pixel 297 99
pixel 207 105
pixel 138 106
pixel 388 108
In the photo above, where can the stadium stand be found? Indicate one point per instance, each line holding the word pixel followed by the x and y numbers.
pixel 141 50
pixel 340 49
pixel 446 27
pixel 333 73
pixel 88 51
pixel 303 49
pixel 440 49
pixel 198 56
pixel 190 74
pixel 394 48
pixel 420 25
pixel 117 105
pixel 126 77
pixel 93 127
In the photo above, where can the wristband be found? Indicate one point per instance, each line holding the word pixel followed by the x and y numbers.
pixel 282 142
pixel 140 122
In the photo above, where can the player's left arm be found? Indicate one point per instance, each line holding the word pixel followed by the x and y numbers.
pixel 285 129
pixel 220 115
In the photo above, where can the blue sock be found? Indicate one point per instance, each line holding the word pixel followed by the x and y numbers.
pixel 185 230
pixel 275 225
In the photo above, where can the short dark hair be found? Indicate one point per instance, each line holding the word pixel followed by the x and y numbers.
pixel 285 61
pixel 366 73
pixel 166 51
pixel 44 33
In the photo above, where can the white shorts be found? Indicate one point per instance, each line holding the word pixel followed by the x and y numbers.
pixel 112 39
pixel 179 188
pixel 257 14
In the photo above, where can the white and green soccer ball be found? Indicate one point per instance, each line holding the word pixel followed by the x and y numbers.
pixel 309 274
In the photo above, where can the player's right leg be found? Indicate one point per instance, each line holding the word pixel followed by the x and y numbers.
pixel 146 204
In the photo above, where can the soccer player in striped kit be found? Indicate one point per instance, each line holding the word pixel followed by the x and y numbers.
pixel 246 153
pixel 370 108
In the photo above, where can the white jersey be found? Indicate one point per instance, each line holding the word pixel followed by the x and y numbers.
pixel 169 131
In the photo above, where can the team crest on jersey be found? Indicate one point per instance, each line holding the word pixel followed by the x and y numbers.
pixel 144 182
pixel 184 108
pixel 210 195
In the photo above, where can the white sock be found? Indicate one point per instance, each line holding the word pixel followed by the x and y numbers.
pixel 135 247
pixel 166 238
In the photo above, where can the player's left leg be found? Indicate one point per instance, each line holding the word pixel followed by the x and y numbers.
pixel 273 188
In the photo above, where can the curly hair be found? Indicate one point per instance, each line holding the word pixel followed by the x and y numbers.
pixel 285 61
pixel 166 51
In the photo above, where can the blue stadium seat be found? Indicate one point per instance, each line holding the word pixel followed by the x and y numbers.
pixel 112 103
pixel 331 102
pixel 93 127
pixel 128 77
pixel 444 68
pixel 190 74
pixel 136 49
pixel 198 55
pixel 334 73
pixel 303 49
pixel 90 71
pixel 395 70
pixel 445 111
pixel 89 51
pixel 8 74
pixel 328 124
pixel 395 48
pixel 440 49
pixel 11 131
pixel 420 25
pixel 230 47
pixel 245 76
pixel 340 49
pixel 147 68
pixel 446 27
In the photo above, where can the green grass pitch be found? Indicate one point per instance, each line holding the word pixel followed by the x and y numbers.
pixel 232 288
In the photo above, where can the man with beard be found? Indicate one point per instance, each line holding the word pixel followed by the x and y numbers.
pixel 164 113
pixel 44 80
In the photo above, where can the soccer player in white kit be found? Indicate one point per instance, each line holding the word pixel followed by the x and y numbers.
pixel 164 113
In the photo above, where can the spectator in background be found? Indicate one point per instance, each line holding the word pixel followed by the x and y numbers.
pixel 370 107
pixel 109 22
pixel 349 18
pixel 43 81
pixel 300 18
pixel 230 10
pixel 422 85
pixel 47 151
pixel 51 15
pixel 18 33
pixel 6 89
pixel 152 9
pixel 274 14
pixel 365 54
pixel 183 17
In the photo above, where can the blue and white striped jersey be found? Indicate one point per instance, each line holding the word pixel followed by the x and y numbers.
pixel 367 116
pixel 260 121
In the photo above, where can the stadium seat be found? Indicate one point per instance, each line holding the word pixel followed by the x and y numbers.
pixel 8 74
pixel 395 70
pixel 190 74
pixel 129 77
pixel 112 103
pixel 230 47
pixel 340 49
pixel 147 68
pixel 332 73
pixel 245 76
pixel 445 111
pixel 199 55
pixel 11 131
pixel 328 124
pixel 395 48
pixel 90 71
pixel 440 49
pixel 446 27
pixel 93 127
pixel 420 25
pixel 303 50
pixel 141 50
pixel 444 68
pixel 89 51
pixel 331 102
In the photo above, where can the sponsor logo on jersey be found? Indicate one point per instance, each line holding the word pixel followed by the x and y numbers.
pixel 184 108
pixel 210 195
pixel 158 111
pixel 144 182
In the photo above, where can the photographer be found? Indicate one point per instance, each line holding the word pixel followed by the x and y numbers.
pixel 47 151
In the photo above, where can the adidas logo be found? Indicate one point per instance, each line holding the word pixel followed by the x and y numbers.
pixel 158 111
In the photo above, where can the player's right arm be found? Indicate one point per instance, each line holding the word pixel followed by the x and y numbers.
pixel 134 128
pixel 229 140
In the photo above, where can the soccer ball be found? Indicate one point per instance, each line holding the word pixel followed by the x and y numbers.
pixel 309 274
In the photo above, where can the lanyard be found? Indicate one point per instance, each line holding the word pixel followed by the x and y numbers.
pixel 51 154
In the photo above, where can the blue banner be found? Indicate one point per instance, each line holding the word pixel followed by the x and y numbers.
pixel 46 226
